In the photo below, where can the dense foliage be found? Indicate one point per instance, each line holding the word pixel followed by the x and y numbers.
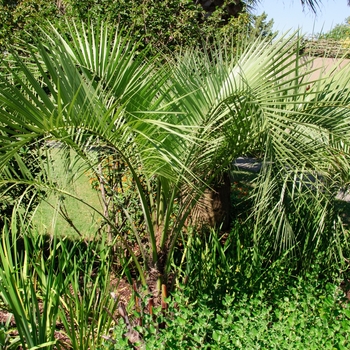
pixel 19 19
pixel 339 34
pixel 103 93
pixel 302 314
pixel 163 25
pixel 61 296
pixel 167 24
pixel 156 135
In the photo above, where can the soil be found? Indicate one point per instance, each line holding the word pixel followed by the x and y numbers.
pixel 4 317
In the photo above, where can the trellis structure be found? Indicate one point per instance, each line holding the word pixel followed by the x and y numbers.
pixel 326 48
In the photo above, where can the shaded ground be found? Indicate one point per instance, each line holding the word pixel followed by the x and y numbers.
pixel 253 165
pixel 4 317
pixel 344 209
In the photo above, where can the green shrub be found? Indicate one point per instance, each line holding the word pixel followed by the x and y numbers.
pixel 307 315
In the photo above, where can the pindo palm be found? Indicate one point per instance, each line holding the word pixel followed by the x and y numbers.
pixel 177 123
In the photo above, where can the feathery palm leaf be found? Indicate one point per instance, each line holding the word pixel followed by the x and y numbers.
pixel 182 123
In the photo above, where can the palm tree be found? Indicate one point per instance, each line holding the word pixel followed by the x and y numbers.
pixel 178 125
pixel 313 4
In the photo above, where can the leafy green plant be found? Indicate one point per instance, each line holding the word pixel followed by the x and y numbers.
pixel 302 313
pixel 177 124
pixel 340 32
pixel 169 25
pixel 86 311
pixel 30 290
pixel 118 192
pixel 54 290
pixel 20 18
pixel 6 341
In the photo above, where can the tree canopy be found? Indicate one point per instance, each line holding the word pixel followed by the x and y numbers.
pixel 339 32
pixel 168 24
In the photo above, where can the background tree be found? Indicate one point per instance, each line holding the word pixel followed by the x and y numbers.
pixel 340 33
pixel 165 24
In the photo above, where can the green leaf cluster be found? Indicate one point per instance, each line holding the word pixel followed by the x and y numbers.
pixel 19 20
pixel 303 314
pixel 47 286
pixel 181 121
pixel 340 32
pixel 162 25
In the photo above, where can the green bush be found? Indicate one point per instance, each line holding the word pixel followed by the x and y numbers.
pixel 305 315
pixel 19 19
pixel 162 25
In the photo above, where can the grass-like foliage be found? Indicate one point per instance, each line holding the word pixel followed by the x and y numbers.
pixel 57 291
pixel 60 295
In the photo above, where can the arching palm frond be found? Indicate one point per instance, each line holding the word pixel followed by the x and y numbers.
pixel 180 124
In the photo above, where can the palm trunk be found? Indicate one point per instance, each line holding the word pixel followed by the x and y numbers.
pixel 213 209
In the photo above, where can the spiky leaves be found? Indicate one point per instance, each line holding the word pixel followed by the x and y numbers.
pixel 180 123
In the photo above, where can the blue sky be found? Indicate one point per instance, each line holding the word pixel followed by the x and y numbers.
pixel 289 14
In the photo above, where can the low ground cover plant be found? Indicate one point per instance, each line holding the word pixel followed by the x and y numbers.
pixel 230 303
pixel 301 314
